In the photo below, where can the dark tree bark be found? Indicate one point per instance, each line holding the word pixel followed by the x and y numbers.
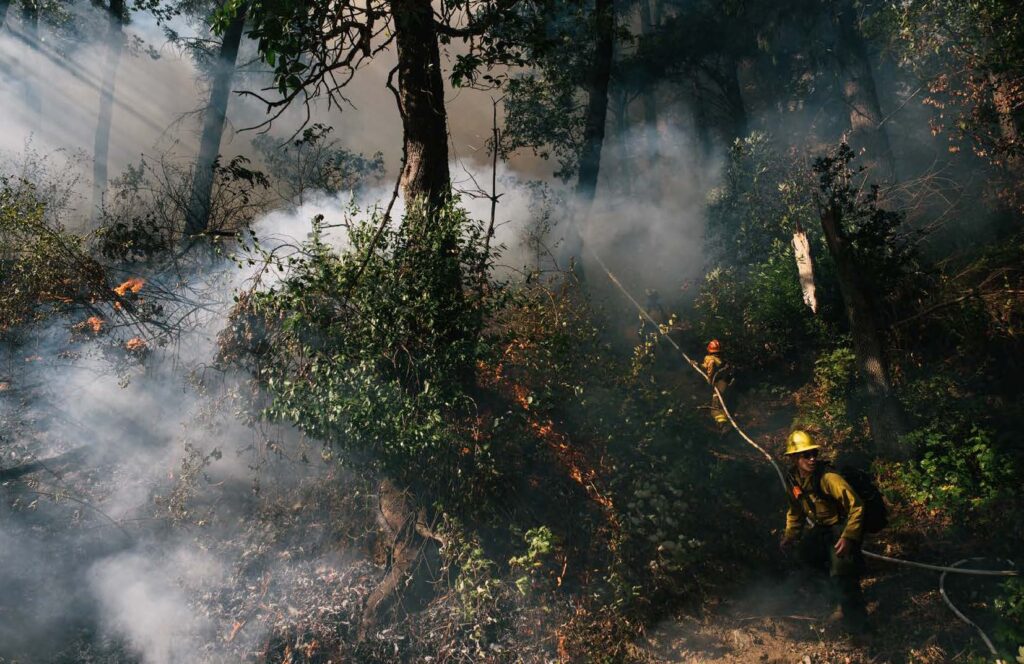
pixel 737 110
pixel 101 144
pixel 597 103
pixel 624 178
pixel 198 218
pixel 593 130
pixel 857 85
pixel 648 97
pixel 885 414
pixel 700 117
pixel 411 552
pixel 421 103
pixel 30 17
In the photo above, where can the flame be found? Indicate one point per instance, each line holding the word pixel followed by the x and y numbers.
pixel 136 345
pixel 133 285
pixel 573 459
pixel 235 628
pixel 94 324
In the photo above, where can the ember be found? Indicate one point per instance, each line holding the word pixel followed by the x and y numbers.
pixel 94 324
pixel 136 345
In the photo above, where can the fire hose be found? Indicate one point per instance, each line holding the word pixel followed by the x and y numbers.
pixel 950 569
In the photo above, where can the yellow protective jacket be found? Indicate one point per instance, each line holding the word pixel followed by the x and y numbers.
pixel 711 365
pixel 826 505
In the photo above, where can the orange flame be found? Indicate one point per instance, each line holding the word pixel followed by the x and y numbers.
pixel 133 285
pixel 94 324
pixel 136 345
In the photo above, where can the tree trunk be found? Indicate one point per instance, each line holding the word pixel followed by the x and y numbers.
pixel 30 26
pixel 625 175
pixel 649 97
pixel 4 4
pixel 421 103
pixel 738 127
pixel 101 144
pixel 1009 126
pixel 597 103
pixel 857 84
pixel 30 18
pixel 410 555
pixel 213 127
pixel 700 117
pixel 593 131
pixel 885 414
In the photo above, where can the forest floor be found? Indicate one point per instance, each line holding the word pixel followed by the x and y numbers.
pixel 765 613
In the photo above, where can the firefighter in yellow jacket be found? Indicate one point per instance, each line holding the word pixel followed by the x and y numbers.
pixel 717 372
pixel 824 520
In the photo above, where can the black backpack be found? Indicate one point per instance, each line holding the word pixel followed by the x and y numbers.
pixel 876 513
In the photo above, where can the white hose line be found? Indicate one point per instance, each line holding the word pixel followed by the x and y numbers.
pixel 696 367
pixel 945 570
pixel 782 478
pixel 954 568
pixel 961 616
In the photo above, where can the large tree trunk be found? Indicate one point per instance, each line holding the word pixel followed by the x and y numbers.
pixel 625 175
pixel 857 85
pixel 885 415
pixel 701 121
pixel 198 218
pixel 593 130
pixel 738 126
pixel 421 103
pixel 410 550
pixel 597 102
pixel 648 97
pixel 30 18
pixel 101 144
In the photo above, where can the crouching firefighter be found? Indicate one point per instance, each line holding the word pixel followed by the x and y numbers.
pixel 825 522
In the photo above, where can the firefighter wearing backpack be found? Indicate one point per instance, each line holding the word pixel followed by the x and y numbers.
pixel 717 372
pixel 825 522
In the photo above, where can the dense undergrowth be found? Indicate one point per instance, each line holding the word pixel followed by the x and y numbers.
pixel 549 472
pixel 570 494
pixel 953 340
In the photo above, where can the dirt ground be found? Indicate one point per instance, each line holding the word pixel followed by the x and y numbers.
pixel 782 622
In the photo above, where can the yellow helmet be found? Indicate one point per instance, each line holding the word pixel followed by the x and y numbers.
pixel 800 441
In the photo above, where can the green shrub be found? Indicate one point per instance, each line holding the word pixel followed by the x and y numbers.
pixel 372 349
pixel 758 313
pixel 44 269
pixel 1010 609
pixel 959 469
pixel 826 407
pixel 536 566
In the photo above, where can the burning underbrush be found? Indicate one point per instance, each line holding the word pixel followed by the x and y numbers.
pixel 392 458
pixel 495 432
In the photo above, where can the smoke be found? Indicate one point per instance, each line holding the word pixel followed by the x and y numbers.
pixel 139 514
pixel 140 597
